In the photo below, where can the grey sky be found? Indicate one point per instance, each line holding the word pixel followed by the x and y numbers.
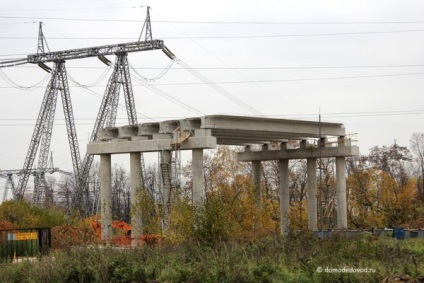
pixel 374 90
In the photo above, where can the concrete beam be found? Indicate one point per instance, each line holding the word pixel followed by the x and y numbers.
pixel 167 127
pixel 190 124
pixel 233 130
pixel 256 133
pixel 149 145
pixel 253 137
pixel 300 153
pixel 148 129
pixel 128 131
pixel 108 133
pixel 241 123
pixel 241 141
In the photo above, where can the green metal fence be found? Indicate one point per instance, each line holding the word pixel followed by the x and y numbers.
pixel 21 243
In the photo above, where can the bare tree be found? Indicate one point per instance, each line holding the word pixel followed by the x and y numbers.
pixel 417 147
pixel 393 160
pixel 64 192
pixel 120 193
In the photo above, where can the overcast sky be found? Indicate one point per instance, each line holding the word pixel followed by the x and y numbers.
pixel 357 62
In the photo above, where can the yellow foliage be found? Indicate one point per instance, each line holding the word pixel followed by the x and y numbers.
pixel 150 211
pixel 230 211
pixel 397 201
pixel 298 216
pixel 182 221
pixel 377 200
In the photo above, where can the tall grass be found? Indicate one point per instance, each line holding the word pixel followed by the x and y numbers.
pixel 293 258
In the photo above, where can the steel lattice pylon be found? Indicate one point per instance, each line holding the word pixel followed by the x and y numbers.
pixel 43 129
pixel 10 184
pixel 107 117
pixel 41 136
pixel 43 132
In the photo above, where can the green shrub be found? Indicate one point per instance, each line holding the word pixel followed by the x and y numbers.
pixel 293 258
pixel 25 215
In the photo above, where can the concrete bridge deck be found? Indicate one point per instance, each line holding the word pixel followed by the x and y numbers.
pixel 209 131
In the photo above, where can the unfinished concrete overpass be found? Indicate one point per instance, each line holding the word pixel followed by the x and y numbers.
pixel 199 133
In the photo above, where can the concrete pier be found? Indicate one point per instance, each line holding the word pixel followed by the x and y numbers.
pixel 283 171
pixel 256 180
pixel 198 176
pixel 341 193
pixel 312 194
pixel 136 209
pixel 106 196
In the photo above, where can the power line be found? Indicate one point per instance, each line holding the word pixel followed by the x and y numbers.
pixel 64 9
pixel 95 82
pixel 218 22
pixel 169 97
pixel 254 68
pixel 70 19
pixel 209 82
pixel 295 35
pixel 297 80
pixel 223 36
pixel 328 115
pixel 7 55
pixel 215 84
pixel 218 88
pixel 95 94
pixel 18 86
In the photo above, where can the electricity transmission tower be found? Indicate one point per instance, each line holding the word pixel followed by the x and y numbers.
pixel 11 186
pixel 106 116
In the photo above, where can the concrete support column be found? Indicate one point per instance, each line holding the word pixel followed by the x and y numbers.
pixel 136 209
pixel 198 175
pixel 106 196
pixel 341 192
pixel 256 180
pixel 283 171
pixel 312 194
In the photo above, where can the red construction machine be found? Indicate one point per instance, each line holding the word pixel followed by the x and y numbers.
pixel 122 234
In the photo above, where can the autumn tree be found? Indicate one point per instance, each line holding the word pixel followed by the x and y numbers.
pixel 230 209
pixel 25 215
pixel 381 191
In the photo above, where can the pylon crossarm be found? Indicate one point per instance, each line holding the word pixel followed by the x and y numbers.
pixel 95 51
